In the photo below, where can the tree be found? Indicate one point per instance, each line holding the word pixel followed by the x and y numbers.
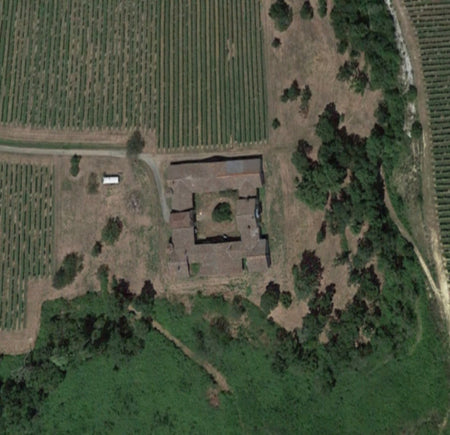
pixel 291 93
pixel 308 274
pixel 286 299
pixel 270 298
pixel 75 165
pixel 322 233
pixel 282 15
pixel 323 8
pixel 276 42
pixel 112 230
pixel 416 130
pixel 222 212
pixel 71 266
pixel 97 249
pixel 135 144
pixel 307 11
pixel 276 123
pixel 411 94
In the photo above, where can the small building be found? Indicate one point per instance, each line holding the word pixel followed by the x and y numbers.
pixel 111 179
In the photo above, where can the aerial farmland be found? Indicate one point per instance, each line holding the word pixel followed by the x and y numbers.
pixel 224 216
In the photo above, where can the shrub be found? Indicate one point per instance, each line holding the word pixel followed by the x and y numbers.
pixel 281 13
pixel 416 130
pixel 270 298
pixel 322 8
pixel 322 233
pixel 65 275
pixel 411 95
pixel 276 42
pixel 286 299
pixel 112 230
pixel 93 183
pixel 291 93
pixel 308 274
pixel 97 249
pixel 307 11
pixel 135 144
pixel 75 165
pixel 102 276
pixel 222 212
pixel 276 123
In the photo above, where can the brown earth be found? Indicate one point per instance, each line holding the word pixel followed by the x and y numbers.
pixel 308 54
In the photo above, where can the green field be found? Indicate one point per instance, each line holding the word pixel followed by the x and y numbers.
pixel 193 70
pixel 432 22
pixel 26 235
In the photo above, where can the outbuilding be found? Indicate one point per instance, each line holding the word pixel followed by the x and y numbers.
pixel 111 179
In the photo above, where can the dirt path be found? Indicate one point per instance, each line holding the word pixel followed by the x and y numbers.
pixel 215 374
pixel 428 191
pixel 27 134
pixel 146 158
pixel 441 292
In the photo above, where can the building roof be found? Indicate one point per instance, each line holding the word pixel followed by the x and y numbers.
pixel 111 179
pixel 181 219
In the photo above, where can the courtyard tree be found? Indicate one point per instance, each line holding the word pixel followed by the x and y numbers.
pixel 222 212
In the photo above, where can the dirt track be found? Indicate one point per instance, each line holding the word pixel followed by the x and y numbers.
pixel 441 290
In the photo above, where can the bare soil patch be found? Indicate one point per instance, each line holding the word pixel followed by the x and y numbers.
pixel 82 216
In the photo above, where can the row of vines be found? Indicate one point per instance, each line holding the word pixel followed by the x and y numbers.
pixel 211 73
pixel 432 23
pixel 26 235
pixel 193 70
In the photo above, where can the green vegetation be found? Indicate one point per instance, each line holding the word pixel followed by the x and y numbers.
pixel 178 69
pixel 97 249
pixel 194 269
pixel 135 144
pixel 322 233
pixel 270 298
pixel 276 123
pixel 286 299
pixel 281 14
pixel 103 277
pixel 350 72
pixel 416 130
pixel 322 8
pixel 26 235
pixel 430 22
pixel 276 42
pixel 291 93
pixel 75 165
pixel 210 74
pixel 222 212
pixel 307 274
pixel 112 230
pixel 307 11
pixel 71 266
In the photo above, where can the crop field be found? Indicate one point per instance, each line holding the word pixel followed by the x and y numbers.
pixel 432 23
pixel 193 70
pixel 26 235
